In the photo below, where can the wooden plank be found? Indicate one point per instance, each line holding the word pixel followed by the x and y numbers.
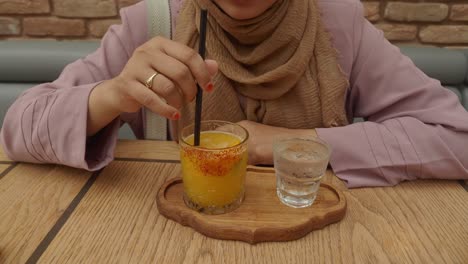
pixel 409 222
pixel 136 149
pixel 3 167
pixel 415 222
pixel 118 220
pixel 383 225
pixel 3 156
pixel 32 199
pixel 417 213
pixel 147 150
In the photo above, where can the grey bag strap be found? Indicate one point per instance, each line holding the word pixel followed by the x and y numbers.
pixel 159 24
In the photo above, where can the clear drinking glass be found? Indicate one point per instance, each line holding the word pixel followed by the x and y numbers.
pixel 214 172
pixel 300 164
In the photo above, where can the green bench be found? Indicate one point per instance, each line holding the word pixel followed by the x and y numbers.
pixel 25 63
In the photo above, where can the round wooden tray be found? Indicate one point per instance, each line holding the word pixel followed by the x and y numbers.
pixel 261 217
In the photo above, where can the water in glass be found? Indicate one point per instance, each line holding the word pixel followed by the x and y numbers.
pixel 300 164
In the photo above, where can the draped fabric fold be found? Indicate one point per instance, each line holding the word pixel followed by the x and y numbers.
pixel 279 68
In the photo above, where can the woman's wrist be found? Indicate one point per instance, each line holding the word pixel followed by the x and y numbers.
pixel 103 106
pixel 303 132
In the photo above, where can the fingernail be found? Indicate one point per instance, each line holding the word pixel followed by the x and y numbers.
pixel 176 116
pixel 209 87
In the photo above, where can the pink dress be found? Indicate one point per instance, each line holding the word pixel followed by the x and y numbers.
pixel 415 128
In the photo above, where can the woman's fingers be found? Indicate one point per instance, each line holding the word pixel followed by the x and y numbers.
pixel 152 101
pixel 161 85
pixel 212 67
pixel 190 58
pixel 166 89
pixel 162 75
pixel 177 72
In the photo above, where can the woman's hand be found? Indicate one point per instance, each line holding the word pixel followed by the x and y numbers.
pixel 178 67
pixel 260 144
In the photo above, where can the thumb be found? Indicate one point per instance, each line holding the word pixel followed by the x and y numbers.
pixel 212 67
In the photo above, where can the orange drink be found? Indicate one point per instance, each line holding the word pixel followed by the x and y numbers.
pixel 214 172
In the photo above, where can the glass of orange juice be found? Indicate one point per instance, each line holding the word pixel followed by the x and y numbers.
pixel 214 172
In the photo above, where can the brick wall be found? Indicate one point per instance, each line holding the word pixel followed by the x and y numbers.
pixel 434 22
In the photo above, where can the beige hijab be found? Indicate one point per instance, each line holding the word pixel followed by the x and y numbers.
pixel 278 69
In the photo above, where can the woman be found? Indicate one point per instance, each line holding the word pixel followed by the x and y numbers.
pixel 299 67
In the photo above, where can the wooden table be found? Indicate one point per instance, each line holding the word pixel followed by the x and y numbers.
pixel 56 214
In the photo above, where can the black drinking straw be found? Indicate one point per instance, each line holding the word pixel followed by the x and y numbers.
pixel 198 103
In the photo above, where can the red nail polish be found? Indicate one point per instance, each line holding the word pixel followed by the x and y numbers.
pixel 209 87
pixel 176 116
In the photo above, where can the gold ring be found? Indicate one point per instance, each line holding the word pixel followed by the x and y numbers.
pixel 149 81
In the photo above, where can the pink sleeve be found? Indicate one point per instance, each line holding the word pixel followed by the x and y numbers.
pixel 415 128
pixel 47 123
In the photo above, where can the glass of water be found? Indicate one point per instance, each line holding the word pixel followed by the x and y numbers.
pixel 300 164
